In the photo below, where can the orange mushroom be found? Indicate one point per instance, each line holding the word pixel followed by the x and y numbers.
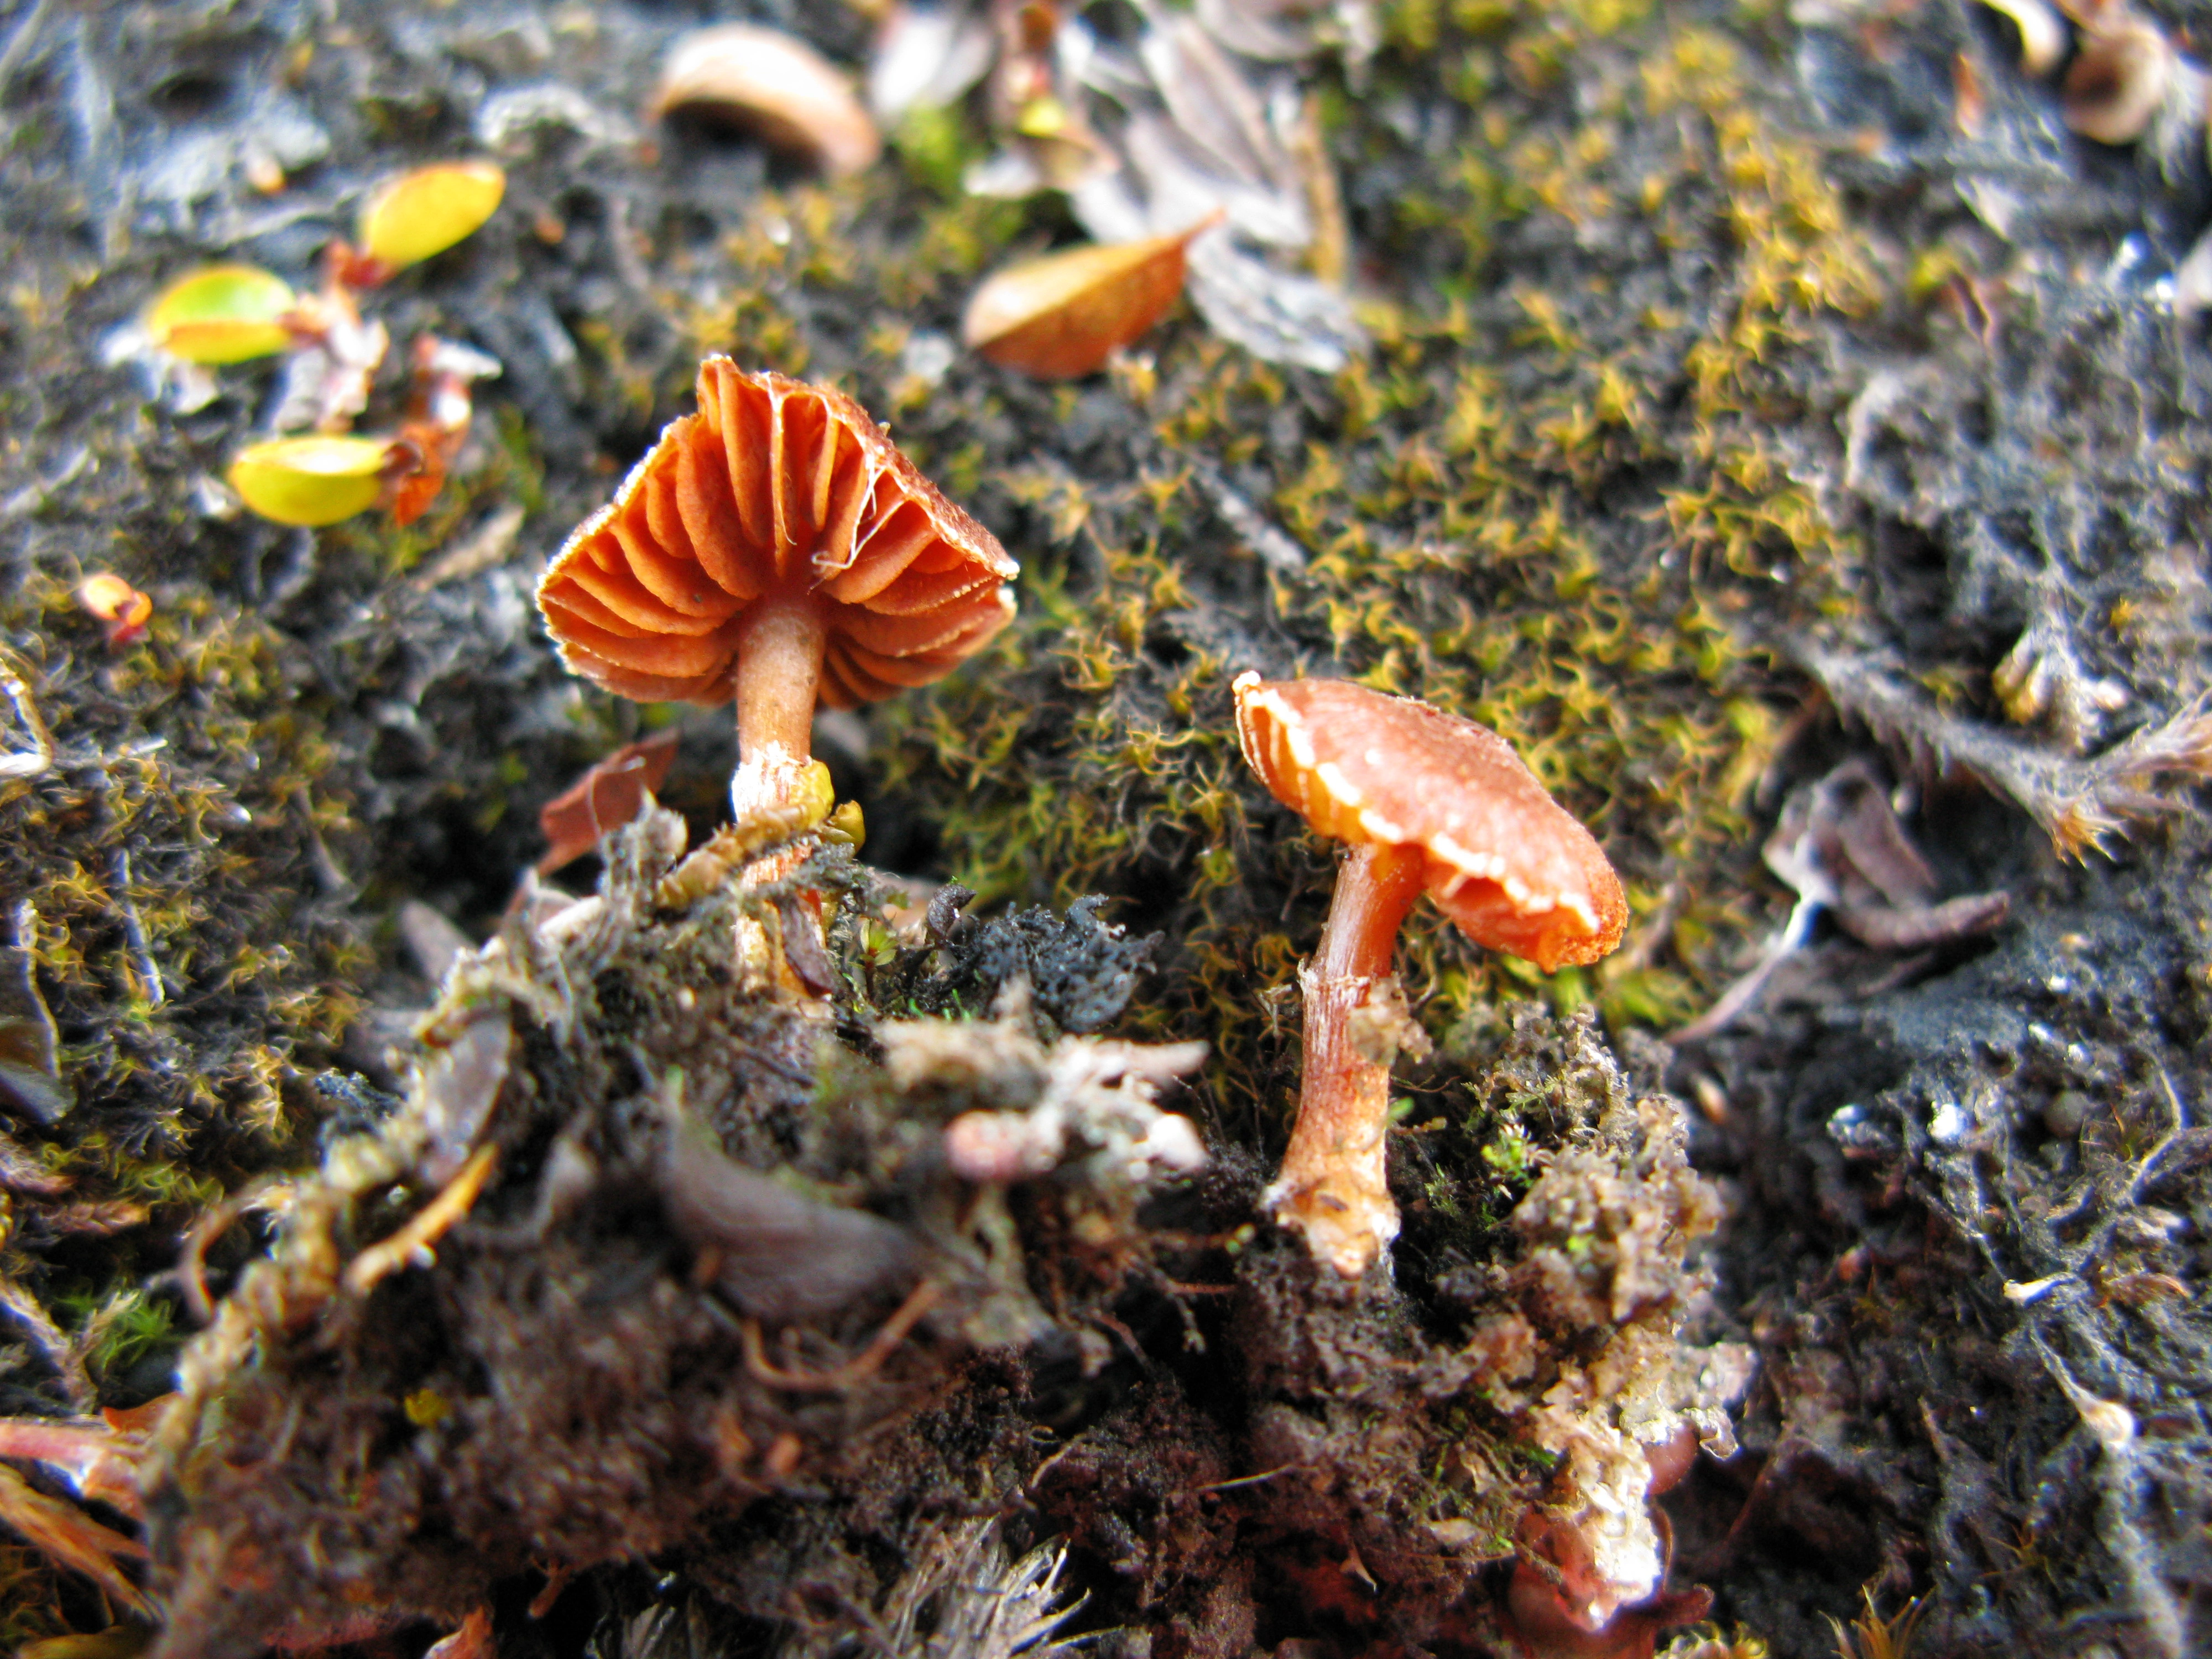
pixel 773 547
pixel 1429 803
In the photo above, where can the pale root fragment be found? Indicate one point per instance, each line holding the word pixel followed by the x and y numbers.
pixel 1096 1101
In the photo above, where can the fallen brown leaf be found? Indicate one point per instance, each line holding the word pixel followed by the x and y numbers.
pixel 1058 317
pixel 606 797
pixel 2118 78
pixel 67 1535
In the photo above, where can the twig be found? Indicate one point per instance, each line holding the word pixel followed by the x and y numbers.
pixel 411 1245
pixel 924 1297
pixel 1741 994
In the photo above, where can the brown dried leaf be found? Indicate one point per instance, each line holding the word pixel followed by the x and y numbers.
pixel 1058 317
pixel 438 410
pixel 606 797
pixel 1839 844
pixel 779 86
pixel 1885 928
pixel 67 1535
pixel 1857 838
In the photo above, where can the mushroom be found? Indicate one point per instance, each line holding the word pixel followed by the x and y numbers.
pixel 774 547
pixel 1429 803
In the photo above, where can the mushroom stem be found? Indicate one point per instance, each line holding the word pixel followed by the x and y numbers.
pixel 1333 1185
pixel 780 639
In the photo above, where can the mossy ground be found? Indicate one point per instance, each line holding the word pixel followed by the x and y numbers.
pixel 1630 270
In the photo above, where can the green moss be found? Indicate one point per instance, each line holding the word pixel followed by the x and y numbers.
pixel 1530 503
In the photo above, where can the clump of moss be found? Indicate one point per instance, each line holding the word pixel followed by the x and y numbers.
pixel 178 901
pixel 1508 1404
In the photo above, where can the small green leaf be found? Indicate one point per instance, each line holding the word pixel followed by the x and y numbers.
pixel 223 315
pixel 313 480
pixel 428 210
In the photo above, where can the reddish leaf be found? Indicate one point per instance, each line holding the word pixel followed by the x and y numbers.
pixel 604 798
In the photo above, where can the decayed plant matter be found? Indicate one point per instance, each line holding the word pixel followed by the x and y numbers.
pixel 657 1261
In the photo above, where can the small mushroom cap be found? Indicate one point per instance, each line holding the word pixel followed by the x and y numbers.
pixel 773 487
pixel 1504 860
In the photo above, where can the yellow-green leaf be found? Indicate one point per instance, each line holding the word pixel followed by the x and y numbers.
pixel 223 315
pixel 312 480
pixel 428 210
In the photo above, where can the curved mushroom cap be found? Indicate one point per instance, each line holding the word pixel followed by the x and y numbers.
pixel 1504 860
pixel 775 487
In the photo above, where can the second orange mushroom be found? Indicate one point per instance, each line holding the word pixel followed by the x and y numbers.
pixel 1429 803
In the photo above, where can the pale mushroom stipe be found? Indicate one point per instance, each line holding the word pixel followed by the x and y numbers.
pixel 1429 803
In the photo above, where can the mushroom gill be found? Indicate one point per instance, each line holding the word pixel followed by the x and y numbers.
pixel 773 547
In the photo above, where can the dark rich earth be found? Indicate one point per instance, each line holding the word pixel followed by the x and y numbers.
pixel 1748 394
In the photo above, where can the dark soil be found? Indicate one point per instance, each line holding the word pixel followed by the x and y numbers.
pixel 1736 407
